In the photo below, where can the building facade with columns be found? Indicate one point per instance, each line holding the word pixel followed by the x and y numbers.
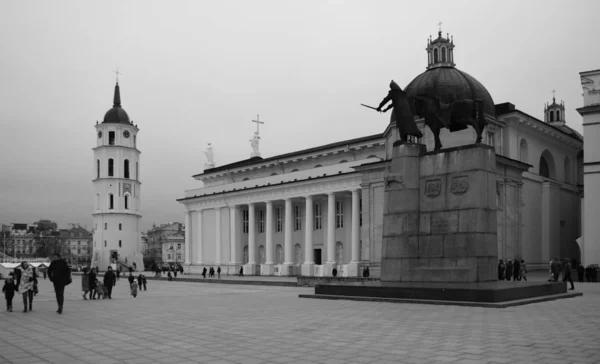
pixel 307 212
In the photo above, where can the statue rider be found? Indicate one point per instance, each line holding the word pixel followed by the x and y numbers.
pixel 405 121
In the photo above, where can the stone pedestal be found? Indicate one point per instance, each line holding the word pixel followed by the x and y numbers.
pixel 440 215
pixel 307 270
pixel 266 269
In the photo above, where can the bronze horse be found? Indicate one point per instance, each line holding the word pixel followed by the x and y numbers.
pixel 455 116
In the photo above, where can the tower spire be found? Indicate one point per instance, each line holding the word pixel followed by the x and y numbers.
pixel 117 98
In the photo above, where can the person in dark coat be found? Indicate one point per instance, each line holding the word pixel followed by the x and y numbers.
pixel 367 272
pixel 580 272
pixel 241 271
pixel 204 272
pixel 509 270
pixel 9 289
pixel 501 268
pixel 566 270
pixel 144 281
pixel 118 274
pixel 219 272
pixel 60 276
pixel 139 281
pixel 555 268
pixel 110 280
pixel 405 120
pixel 516 270
pixel 92 283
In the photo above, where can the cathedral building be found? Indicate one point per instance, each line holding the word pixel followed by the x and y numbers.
pixel 309 211
pixel 117 189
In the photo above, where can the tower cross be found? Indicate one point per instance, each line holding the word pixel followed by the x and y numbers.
pixel 258 122
pixel 117 73
pixel 553 96
pixel 440 26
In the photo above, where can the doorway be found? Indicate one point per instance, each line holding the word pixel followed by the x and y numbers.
pixel 317 255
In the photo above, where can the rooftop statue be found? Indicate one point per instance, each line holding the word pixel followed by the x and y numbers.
pixel 254 144
pixel 210 158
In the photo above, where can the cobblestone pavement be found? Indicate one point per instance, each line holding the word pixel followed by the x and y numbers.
pixel 178 322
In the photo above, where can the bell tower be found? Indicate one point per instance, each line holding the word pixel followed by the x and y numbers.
pixel 117 191
pixel 554 114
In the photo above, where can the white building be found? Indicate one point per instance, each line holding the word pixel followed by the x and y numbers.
pixel 308 211
pixel 117 190
pixel 590 81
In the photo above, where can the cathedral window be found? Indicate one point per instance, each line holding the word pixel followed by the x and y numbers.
pixel 120 226
pixel 105 226
pixel 557 115
pixel 551 115
pixel 126 201
pixel 443 54
pixel 360 212
pixel 111 201
pixel 126 168
pixel 98 168
pixel 297 218
pixel 111 138
pixel 119 243
pixel 134 141
pixel 105 243
pixel 245 217
pixel 278 220
pixel 544 170
pixel 111 166
pixel 339 214
pixel 435 55
pixel 318 216
pixel 261 221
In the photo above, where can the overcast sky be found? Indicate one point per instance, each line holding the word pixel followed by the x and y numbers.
pixel 199 71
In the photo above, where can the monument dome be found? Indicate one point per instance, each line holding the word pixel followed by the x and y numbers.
pixel 116 114
pixel 444 81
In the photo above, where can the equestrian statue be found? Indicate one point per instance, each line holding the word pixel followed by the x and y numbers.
pixel 454 116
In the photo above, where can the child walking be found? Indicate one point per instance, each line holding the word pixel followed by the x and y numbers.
pixel 9 289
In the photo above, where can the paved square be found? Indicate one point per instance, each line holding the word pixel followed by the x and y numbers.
pixel 177 322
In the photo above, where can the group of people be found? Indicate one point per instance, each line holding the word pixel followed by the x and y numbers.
pixel 103 289
pixel 24 279
pixel 211 272
pixel 515 270
pixel 561 266
pixel 134 286
pixel 171 271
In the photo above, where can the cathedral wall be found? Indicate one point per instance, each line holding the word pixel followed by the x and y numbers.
pixel 570 222
pixel 532 222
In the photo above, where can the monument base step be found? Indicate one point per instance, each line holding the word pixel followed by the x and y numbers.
pixel 487 294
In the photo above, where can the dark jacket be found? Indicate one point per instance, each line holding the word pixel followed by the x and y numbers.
pixel 92 280
pixel 9 289
pixel 59 272
pixel 109 279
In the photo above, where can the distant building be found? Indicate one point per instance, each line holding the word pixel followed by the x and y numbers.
pixel 76 244
pixel 159 238
pixel 173 250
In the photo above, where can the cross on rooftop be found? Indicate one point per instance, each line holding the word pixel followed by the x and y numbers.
pixel 258 122
pixel 440 26
pixel 117 73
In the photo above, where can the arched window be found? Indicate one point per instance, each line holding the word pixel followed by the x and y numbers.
pixel 126 168
pixel 557 115
pixel 246 254
pixel 567 170
pixel 551 115
pixel 111 201
pixel 110 167
pixel 278 254
pixel 547 167
pixel 120 243
pixel 339 252
pixel 523 151
pixel 443 54
pixel 435 55
pixel 126 201
pixel 98 168
pixel 120 226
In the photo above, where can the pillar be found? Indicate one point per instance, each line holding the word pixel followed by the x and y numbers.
pixel 233 258
pixel 307 268
pixel 199 244
pixel 218 236
pixel 250 268
pixel 188 240
pixel 354 265
pixel 330 264
pixel 267 268
pixel 287 249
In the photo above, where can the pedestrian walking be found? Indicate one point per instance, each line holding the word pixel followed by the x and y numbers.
pixel 241 271
pixel 60 276
pixel 92 283
pixel 523 268
pixel 555 268
pixel 25 280
pixel 501 268
pixel 45 273
pixel 144 281
pixel 567 273
pixel 517 270
pixel 509 270
pixel 85 282
pixel 9 289
pixel 110 281
pixel 204 272
pixel 219 272
pixel 139 281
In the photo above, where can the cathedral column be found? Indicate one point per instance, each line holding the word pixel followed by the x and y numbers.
pixel 188 240
pixel 308 266
pixel 353 266
pixel 199 243
pixel 232 238
pixel 251 266
pixel 218 236
pixel 330 264
pixel 267 268
pixel 287 249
